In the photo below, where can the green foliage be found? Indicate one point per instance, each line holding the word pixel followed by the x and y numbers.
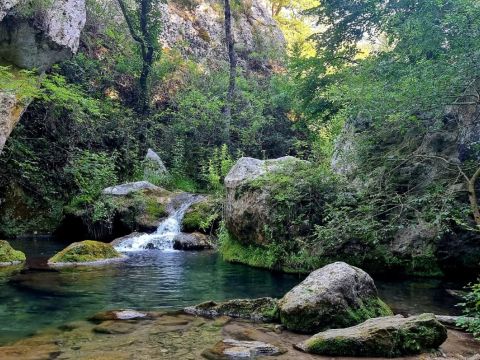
pixel 471 310
pixel 218 167
pixel 8 254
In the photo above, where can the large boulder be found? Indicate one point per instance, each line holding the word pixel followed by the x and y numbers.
pixel 248 209
pixel 390 336
pixel 86 252
pixel 153 166
pixel 42 37
pixel 125 189
pixel 202 216
pixel 337 295
pixel 10 256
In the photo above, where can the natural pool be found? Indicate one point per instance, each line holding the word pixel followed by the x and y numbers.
pixel 156 280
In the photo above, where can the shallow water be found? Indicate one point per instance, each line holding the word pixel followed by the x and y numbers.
pixel 157 280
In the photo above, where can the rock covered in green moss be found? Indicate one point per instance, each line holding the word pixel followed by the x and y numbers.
pixel 10 256
pixel 337 295
pixel 86 252
pixel 389 336
pixel 261 309
pixel 201 216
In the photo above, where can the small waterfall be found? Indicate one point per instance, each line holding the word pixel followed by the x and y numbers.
pixel 162 238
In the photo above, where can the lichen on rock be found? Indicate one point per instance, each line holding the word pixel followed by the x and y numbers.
pixel 386 336
pixel 86 252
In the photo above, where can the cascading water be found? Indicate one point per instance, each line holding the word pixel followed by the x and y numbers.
pixel 167 230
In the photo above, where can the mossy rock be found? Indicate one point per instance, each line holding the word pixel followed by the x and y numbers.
pixel 261 309
pixel 87 252
pixel 10 256
pixel 201 217
pixel 390 336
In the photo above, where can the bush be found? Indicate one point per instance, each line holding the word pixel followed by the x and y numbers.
pixel 470 320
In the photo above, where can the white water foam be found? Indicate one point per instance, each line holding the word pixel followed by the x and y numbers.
pixel 161 239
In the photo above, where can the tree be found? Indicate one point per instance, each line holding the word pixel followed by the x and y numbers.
pixel 232 57
pixel 144 23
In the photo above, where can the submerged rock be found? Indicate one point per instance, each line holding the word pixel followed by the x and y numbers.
pixel 126 314
pixel 236 349
pixel 125 189
pixel 385 336
pixel 336 295
pixel 87 252
pixel 194 241
pixel 10 256
pixel 262 309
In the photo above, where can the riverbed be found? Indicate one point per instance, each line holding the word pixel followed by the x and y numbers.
pixel 38 298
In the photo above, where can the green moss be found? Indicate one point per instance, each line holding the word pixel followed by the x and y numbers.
pixel 155 209
pixel 85 251
pixel 369 309
pixel 10 255
pixel 201 216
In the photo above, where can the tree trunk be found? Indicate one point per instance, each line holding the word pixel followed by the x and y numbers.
pixel 233 69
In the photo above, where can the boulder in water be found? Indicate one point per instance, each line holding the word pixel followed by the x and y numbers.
pixel 10 256
pixel 87 252
pixel 334 296
pixel 193 241
pixel 262 309
pixel 389 336
pixel 126 314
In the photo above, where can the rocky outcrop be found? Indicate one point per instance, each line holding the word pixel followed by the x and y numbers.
pixel 5 7
pixel 87 252
pixel 153 166
pixel 198 25
pixel 249 209
pixel 336 295
pixel 262 309
pixel 11 110
pixel 10 256
pixel 386 336
pixel 50 33
pixel 193 241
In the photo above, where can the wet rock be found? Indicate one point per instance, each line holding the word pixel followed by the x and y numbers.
pixel 262 309
pixel 126 314
pixel 337 295
pixel 248 209
pixel 87 252
pixel 194 241
pixel 9 256
pixel 385 336
pixel 125 240
pixel 114 328
pixel 125 189
pixel 235 349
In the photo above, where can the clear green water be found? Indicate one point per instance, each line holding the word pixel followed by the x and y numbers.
pixel 39 298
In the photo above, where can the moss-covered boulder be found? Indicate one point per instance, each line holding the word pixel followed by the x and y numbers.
pixel 390 336
pixel 87 252
pixel 202 216
pixel 261 309
pixel 10 256
pixel 335 296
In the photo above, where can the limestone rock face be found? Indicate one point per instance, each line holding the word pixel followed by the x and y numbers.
pixel 247 210
pixel 11 109
pixel 336 295
pixel 390 336
pixel 51 35
pixel 199 25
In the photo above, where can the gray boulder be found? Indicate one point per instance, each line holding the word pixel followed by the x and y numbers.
pixel 389 336
pixel 48 35
pixel 153 165
pixel 237 349
pixel 193 241
pixel 337 295
pixel 247 209
pixel 125 189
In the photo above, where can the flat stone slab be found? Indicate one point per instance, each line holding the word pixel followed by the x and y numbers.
pixel 125 189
